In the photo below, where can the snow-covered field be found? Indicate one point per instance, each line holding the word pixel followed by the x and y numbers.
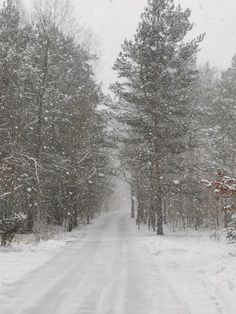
pixel 114 269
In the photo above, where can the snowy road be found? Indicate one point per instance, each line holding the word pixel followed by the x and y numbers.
pixel 112 270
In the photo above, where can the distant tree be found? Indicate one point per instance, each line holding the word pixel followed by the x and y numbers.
pixel 226 118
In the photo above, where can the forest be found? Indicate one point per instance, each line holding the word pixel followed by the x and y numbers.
pixel 166 127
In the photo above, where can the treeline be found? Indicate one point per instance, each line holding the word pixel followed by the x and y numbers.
pixel 177 122
pixel 54 165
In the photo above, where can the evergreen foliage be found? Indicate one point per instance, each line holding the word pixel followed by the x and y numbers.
pixel 157 70
pixel 54 164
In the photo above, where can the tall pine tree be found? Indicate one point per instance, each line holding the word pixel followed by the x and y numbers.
pixel 156 70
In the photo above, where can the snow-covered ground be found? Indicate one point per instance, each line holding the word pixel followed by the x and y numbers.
pixel 25 255
pixel 114 269
pixel 200 271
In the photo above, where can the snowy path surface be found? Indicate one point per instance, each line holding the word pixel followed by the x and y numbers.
pixel 116 270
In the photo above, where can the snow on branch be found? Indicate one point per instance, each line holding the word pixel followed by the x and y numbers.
pixel 223 187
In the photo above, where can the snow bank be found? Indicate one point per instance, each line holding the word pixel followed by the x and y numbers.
pixel 198 269
pixel 25 255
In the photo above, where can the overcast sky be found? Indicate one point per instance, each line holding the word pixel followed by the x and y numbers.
pixel 114 20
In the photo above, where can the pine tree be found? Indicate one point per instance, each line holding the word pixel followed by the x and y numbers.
pixel 156 72
pixel 226 117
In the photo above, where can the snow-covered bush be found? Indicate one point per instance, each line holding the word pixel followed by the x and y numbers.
pixel 225 188
pixel 9 227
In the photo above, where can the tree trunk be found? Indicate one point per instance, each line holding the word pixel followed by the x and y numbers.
pixel 37 225
pixel 157 188
pixel 132 202
pixel 107 205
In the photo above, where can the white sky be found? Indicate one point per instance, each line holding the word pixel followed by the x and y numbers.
pixel 114 20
